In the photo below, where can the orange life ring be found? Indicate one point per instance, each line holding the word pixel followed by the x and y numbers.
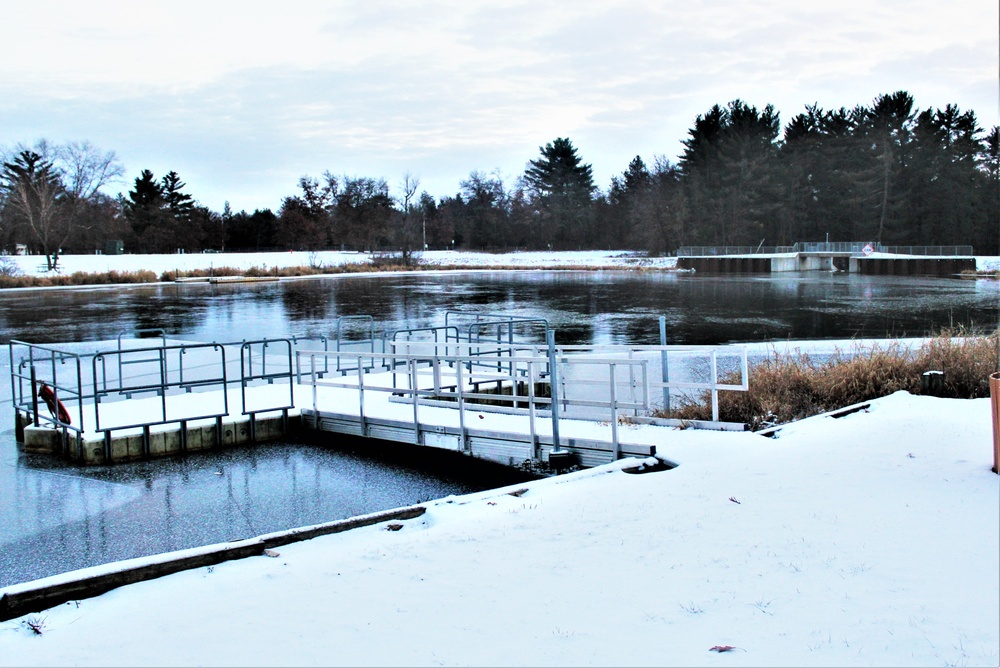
pixel 55 405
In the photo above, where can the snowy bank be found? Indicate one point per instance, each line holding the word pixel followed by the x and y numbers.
pixel 34 265
pixel 872 539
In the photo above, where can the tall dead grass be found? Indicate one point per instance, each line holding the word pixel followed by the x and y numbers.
pixel 79 278
pixel 11 279
pixel 784 388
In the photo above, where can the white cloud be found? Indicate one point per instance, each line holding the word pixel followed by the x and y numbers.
pixel 232 94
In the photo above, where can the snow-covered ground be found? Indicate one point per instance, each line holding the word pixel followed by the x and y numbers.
pixel 35 264
pixel 871 539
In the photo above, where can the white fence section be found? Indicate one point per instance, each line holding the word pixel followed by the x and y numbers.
pixel 597 383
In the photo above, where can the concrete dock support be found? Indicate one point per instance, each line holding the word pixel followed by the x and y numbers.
pixel 150 444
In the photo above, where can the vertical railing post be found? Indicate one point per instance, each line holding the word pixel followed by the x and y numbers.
pixel 645 385
pixel 361 398
pixel 413 392
pixel 460 388
pixel 163 395
pixel 550 340
pixel 631 380
pixel 616 449
pixel 715 387
pixel 79 405
pixel 161 356
pixel 531 410
pixel 34 396
pixel 312 381
pixel 510 345
pixel 664 370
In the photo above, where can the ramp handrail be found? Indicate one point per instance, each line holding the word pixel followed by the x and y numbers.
pixel 423 379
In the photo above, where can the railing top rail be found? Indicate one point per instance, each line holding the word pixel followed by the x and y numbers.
pixel 152 330
pixel 696 251
pixel 306 337
pixel 409 330
pixel 480 316
pixel 265 341
pixel 417 357
pixel 178 346
pixel 477 359
pixel 520 320
pixel 47 348
pixel 734 348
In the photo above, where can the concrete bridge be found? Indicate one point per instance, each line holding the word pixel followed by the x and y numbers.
pixel 868 258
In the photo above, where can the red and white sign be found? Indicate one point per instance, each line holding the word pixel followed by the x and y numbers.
pixel 868 250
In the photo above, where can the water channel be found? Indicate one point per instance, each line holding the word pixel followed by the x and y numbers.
pixel 58 517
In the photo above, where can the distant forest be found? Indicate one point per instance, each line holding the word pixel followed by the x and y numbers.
pixel 887 172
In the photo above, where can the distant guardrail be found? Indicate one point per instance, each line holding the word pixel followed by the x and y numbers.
pixel 701 251
pixel 949 251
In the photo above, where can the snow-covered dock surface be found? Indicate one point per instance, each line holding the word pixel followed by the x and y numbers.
pixel 872 539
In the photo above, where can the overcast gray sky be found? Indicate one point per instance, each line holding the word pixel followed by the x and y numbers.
pixel 243 98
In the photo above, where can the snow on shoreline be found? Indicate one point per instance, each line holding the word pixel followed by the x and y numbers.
pixel 35 264
pixel 68 264
pixel 872 539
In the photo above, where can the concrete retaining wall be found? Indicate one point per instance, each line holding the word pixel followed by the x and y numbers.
pixel 21 599
pixel 879 266
pixel 912 266
pixel 167 440
pixel 726 265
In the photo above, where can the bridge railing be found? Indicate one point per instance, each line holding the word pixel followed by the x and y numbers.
pixel 709 251
pixel 944 251
pixel 851 247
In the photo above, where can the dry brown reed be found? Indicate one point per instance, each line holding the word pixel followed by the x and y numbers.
pixel 79 278
pixel 382 265
pixel 784 388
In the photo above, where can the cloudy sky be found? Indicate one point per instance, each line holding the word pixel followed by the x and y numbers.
pixel 244 98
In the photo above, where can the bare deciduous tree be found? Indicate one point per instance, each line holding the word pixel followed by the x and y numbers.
pixel 35 195
pixel 49 189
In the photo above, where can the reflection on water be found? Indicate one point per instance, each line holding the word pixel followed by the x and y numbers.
pixel 64 518
pixel 583 307
pixel 59 517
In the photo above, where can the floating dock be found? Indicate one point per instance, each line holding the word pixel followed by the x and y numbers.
pixel 495 397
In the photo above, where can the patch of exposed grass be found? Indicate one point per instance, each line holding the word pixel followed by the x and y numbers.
pixel 981 273
pixel 784 388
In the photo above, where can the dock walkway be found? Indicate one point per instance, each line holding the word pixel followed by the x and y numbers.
pixel 499 399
